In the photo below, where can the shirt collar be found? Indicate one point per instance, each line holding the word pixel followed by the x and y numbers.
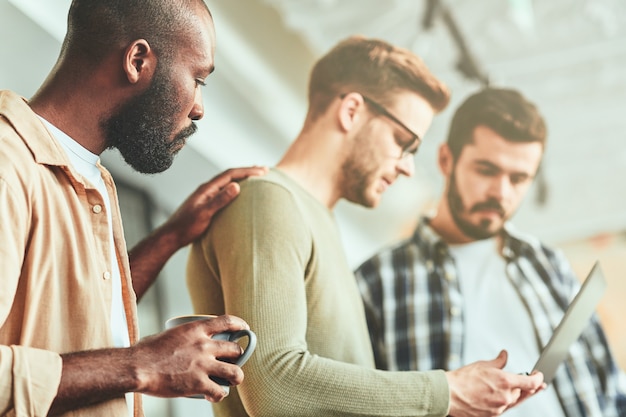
pixel 44 147
pixel 514 243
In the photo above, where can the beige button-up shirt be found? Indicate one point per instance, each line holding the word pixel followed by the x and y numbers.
pixel 54 262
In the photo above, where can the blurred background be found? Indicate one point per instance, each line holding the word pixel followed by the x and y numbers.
pixel 567 56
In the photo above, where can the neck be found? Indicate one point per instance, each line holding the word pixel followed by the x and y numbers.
pixel 75 103
pixel 444 225
pixel 314 161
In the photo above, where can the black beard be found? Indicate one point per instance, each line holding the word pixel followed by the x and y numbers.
pixel 142 127
pixel 476 232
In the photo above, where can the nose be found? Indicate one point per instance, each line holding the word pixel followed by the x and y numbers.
pixel 197 111
pixel 406 165
pixel 500 188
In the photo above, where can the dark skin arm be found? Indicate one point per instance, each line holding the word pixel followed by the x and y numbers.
pixel 173 363
pixel 187 224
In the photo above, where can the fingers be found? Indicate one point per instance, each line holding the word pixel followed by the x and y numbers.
pixel 214 385
pixel 222 198
pixel 532 383
pixel 220 387
pixel 236 174
pixel 222 189
pixel 534 388
pixel 215 393
pixel 225 373
pixel 224 323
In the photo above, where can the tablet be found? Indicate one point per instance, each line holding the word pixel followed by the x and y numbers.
pixel 572 324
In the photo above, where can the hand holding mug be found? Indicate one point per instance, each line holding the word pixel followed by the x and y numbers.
pixel 229 336
pixel 179 361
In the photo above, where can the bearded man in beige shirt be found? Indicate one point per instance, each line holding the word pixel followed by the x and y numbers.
pixel 129 77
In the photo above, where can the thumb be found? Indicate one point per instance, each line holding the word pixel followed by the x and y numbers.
pixel 500 360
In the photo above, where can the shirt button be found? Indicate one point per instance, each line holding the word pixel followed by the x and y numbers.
pixel 106 275
pixel 455 311
pixel 97 209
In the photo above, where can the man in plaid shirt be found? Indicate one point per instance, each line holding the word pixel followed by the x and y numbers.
pixel 467 285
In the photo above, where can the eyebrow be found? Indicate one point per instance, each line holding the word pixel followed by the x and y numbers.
pixel 205 70
pixel 483 163
pixel 486 164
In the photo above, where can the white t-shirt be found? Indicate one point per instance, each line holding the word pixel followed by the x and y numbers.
pixel 496 319
pixel 85 162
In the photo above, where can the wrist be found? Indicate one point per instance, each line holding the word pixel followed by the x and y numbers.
pixel 138 379
pixel 166 238
pixel 161 243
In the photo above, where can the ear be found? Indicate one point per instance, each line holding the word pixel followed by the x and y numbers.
pixel 347 113
pixel 139 61
pixel 445 160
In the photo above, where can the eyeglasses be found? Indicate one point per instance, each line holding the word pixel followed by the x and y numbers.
pixel 408 148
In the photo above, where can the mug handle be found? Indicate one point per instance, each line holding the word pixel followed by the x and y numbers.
pixel 233 337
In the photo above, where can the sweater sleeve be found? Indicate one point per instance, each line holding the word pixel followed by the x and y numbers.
pixel 259 250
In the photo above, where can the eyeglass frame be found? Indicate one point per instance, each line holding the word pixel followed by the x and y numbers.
pixel 416 139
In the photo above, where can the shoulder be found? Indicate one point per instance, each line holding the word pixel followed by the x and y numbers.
pixel 17 164
pixel 264 203
pixel 270 183
pixel 264 196
pixel 526 242
pixel 549 261
pixel 21 135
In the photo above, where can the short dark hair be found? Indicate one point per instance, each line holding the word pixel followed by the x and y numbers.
pixel 375 68
pixel 97 27
pixel 505 111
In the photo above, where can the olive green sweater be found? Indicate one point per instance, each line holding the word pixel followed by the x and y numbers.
pixel 274 258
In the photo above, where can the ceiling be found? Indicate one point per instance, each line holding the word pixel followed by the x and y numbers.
pixel 568 56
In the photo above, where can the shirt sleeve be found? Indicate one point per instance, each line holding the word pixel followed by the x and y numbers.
pixel 29 377
pixel 369 280
pixel 261 247
pixel 606 375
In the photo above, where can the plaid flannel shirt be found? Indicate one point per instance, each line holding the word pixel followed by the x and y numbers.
pixel 414 308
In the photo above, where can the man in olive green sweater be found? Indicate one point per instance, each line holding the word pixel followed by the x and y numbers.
pixel 274 257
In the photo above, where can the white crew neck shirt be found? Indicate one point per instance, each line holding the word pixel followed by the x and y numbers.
pixel 496 319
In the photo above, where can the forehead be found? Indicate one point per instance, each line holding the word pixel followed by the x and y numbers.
pixel 413 110
pixel 488 146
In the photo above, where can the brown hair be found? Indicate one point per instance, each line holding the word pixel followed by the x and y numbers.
pixel 374 68
pixel 505 111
